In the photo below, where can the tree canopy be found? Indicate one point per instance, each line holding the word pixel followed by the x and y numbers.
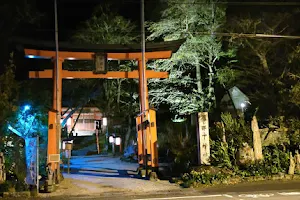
pixel 193 68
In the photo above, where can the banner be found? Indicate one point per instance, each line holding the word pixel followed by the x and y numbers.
pixel 31 160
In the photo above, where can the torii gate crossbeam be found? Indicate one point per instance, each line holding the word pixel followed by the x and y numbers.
pixel 146 121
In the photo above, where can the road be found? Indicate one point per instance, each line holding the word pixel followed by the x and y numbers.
pixel 101 178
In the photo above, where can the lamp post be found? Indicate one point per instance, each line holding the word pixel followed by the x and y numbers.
pixel 104 124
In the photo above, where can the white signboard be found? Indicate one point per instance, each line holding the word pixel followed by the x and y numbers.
pixel 31 160
pixel 203 144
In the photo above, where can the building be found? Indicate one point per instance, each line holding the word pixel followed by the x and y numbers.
pixel 85 125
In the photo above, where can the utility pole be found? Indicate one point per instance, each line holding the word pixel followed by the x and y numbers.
pixel 144 81
pixel 57 89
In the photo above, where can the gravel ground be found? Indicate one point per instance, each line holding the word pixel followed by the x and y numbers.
pixel 100 175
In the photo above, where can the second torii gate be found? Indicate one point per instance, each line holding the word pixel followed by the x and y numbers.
pixel 146 121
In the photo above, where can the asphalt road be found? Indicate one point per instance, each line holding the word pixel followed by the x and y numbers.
pixel 101 178
pixel 237 196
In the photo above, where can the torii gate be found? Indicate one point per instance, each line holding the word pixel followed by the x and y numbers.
pixel 145 122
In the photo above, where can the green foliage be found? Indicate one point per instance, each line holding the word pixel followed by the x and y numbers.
pixel 178 138
pixel 117 99
pixel 14 13
pixel 106 27
pixel 4 187
pixel 275 161
pixel 267 68
pixel 294 131
pixel 236 130
pixel 295 94
pixel 190 86
pixel 206 176
pixel 222 154
pixel 8 97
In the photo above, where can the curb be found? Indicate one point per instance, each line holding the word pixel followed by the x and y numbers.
pixel 16 194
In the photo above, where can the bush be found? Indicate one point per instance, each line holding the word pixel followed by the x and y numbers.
pixel 4 187
pixel 179 140
pixel 275 161
pixel 206 176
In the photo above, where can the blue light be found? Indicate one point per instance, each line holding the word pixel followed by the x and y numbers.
pixel 30 56
pixel 27 107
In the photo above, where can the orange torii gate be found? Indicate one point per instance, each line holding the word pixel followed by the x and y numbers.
pixel 145 122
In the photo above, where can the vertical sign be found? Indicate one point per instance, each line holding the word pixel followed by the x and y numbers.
pixel 31 160
pixel 2 168
pixel 204 146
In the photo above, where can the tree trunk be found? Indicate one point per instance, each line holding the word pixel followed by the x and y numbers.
pixel 264 62
pixel 223 133
pixel 127 136
pixel 2 168
pixel 297 159
pixel 292 165
pixel 258 155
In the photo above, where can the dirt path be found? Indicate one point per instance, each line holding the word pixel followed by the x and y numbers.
pixel 96 175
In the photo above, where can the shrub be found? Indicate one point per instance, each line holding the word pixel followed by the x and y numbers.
pixel 206 176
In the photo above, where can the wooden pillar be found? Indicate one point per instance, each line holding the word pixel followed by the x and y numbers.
pixel 153 138
pixel 142 135
pixel 52 138
pixel 55 135
pixel 147 137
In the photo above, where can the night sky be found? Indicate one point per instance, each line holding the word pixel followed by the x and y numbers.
pixel 72 12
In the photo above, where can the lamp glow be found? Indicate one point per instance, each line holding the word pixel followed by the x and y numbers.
pixel 27 107
pixel 30 56
pixel 243 105
pixel 118 141
pixel 111 139
pixel 104 121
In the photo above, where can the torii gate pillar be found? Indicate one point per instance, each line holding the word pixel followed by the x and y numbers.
pixel 146 121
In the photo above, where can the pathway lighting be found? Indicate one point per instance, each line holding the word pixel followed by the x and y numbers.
pixel 104 121
pixel 118 141
pixel 111 139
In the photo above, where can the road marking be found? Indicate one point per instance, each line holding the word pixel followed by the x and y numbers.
pixel 184 197
pixel 254 196
pixel 289 193
pixel 227 195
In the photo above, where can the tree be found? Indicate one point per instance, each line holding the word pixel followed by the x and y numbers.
pixel 193 68
pixel 106 27
pixel 118 100
pixel 15 12
pixel 8 96
pixel 263 68
pixel 190 87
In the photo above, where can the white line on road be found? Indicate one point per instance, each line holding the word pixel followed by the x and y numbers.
pixel 184 197
pixel 227 195
pixel 254 196
pixel 289 193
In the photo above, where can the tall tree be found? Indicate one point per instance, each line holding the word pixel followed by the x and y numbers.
pixel 8 95
pixel 263 62
pixel 190 87
pixel 193 68
pixel 118 98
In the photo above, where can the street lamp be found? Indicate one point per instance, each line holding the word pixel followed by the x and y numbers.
pixel 104 124
pixel 104 121
pixel 27 107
